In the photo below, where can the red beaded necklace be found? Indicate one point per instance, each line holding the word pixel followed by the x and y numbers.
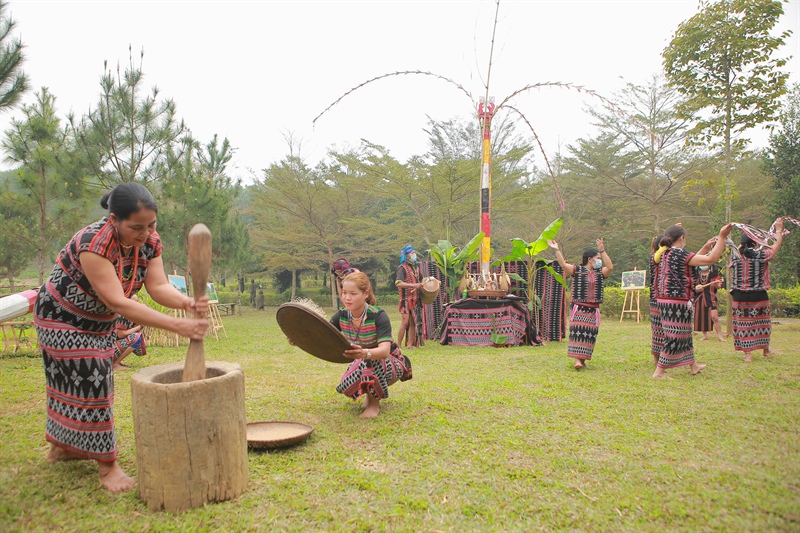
pixel 133 271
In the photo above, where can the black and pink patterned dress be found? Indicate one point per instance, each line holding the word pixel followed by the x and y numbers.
pixel 752 316
pixel 584 319
pixel 76 335
pixel 674 291
pixel 372 376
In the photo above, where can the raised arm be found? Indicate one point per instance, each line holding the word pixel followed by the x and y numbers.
pixel 716 251
pixel 568 268
pixel 608 266
pixel 778 236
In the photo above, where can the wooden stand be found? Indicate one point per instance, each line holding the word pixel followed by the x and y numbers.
pixel 215 321
pixel 191 437
pixel 15 335
pixel 627 305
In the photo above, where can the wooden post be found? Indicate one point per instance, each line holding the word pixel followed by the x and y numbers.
pixel 191 437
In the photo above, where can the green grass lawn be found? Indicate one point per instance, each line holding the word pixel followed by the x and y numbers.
pixel 481 439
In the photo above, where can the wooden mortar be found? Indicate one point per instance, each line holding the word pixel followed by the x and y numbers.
pixel 191 437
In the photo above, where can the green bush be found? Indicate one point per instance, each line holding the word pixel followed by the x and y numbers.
pixel 785 302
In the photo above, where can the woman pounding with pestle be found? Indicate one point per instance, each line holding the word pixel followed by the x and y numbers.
pixel 95 275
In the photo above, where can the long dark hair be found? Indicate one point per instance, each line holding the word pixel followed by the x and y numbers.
pixel 655 244
pixel 128 198
pixel 588 254
pixel 672 234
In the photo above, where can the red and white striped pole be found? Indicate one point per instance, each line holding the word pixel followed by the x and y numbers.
pixel 16 305
pixel 485 113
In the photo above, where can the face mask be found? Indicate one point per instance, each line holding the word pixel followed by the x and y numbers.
pixel 703 268
pixel 412 258
pixel 598 264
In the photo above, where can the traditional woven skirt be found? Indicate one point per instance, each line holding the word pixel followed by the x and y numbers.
pixel 702 315
pixel 584 323
pixel 752 320
pixel 80 390
pixel 134 339
pixel 657 331
pixel 374 376
pixel 676 320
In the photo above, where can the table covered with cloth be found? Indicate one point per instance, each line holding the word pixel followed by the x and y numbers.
pixel 471 322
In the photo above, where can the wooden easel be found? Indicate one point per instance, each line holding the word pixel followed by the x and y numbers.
pixel 215 321
pixel 627 304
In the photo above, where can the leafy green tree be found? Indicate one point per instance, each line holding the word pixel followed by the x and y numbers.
pixel 128 136
pixel 782 161
pixel 436 195
pixel 47 174
pixel 195 187
pixel 722 61
pixel 17 236
pixel 299 217
pixel 13 80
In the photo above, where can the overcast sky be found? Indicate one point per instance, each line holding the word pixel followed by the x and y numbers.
pixel 255 71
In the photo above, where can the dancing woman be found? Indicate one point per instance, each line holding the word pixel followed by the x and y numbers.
pixel 674 291
pixel 752 318
pixel 587 295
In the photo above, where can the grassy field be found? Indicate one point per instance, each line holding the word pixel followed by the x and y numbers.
pixel 481 439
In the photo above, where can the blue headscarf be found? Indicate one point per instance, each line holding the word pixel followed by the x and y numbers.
pixel 408 249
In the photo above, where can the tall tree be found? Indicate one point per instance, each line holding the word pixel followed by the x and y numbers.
pixel 646 125
pixel 47 173
pixel 195 187
pixel 782 161
pixel 17 235
pixel 299 217
pixel 13 80
pixel 722 61
pixel 128 135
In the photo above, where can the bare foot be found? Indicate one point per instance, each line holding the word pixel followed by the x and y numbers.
pixel 372 407
pixel 696 369
pixel 662 375
pixel 57 454
pixel 120 366
pixel 748 358
pixel 721 338
pixel 113 478
pixel 704 338
pixel 769 351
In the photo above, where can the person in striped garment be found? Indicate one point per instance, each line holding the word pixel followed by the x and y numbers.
pixel 377 360
pixel 656 330
pixel 587 295
pixel 674 288
pixel 94 277
pixel 752 318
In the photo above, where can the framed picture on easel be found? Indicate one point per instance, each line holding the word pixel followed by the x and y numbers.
pixel 212 294
pixel 633 280
pixel 179 282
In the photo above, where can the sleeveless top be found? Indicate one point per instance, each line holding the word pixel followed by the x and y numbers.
pixel 68 297
pixel 674 276
pixel 587 285
pixel 751 272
